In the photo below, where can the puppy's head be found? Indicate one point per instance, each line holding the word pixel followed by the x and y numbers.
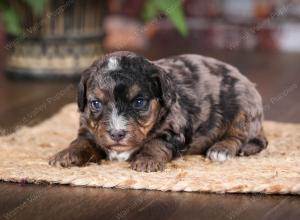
pixel 122 96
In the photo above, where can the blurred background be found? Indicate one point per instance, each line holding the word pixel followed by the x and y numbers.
pixel 45 44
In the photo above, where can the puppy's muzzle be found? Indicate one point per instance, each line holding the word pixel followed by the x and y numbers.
pixel 117 134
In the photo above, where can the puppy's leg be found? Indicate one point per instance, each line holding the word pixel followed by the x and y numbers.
pixel 234 138
pixel 153 157
pixel 225 149
pixel 202 143
pixel 78 153
pixel 255 145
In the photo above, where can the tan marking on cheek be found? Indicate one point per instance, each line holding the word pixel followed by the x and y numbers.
pixel 92 125
pixel 133 91
pixel 99 132
pixel 153 114
pixel 102 136
pixel 136 136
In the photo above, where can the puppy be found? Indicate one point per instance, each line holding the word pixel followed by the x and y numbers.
pixel 149 112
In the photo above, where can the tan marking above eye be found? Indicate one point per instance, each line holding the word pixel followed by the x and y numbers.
pixel 133 91
pixel 147 125
pixel 102 95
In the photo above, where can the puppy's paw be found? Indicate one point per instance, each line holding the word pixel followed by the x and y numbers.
pixel 69 157
pixel 147 164
pixel 219 153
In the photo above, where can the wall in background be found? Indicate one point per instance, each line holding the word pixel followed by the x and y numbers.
pixel 222 24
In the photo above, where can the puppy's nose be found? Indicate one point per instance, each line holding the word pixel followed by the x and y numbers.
pixel 117 135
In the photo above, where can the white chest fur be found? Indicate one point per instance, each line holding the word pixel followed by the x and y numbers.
pixel 119 156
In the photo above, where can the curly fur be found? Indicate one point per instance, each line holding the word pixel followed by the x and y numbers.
pixel 195 105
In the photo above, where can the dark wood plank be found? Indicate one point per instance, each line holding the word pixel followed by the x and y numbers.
pixel 64 202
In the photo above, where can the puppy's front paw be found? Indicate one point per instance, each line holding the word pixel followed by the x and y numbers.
pixel 219 153
pixel 148 164
pixel 69 157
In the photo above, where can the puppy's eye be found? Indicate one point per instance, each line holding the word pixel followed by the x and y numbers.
pixel 139 103
pixel 96 105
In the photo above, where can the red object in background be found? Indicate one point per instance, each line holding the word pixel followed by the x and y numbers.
pixel 124 33
pixel 266 39
pixel 202 8
pixel 131 8
pixel 263 9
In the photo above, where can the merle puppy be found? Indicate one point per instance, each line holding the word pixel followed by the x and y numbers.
pixel 149 112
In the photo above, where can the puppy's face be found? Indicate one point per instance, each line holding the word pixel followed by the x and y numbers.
pixel 121 101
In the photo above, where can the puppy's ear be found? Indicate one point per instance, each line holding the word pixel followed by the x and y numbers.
pixel 81 93
pixel 165 87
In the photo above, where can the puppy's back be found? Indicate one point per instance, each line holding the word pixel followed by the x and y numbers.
pixel 214 85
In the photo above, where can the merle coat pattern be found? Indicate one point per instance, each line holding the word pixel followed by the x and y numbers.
pixel 149 112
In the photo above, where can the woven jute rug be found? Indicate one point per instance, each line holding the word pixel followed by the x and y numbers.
pixel 24 158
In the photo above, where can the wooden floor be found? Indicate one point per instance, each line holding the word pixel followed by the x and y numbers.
pixel 278 79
